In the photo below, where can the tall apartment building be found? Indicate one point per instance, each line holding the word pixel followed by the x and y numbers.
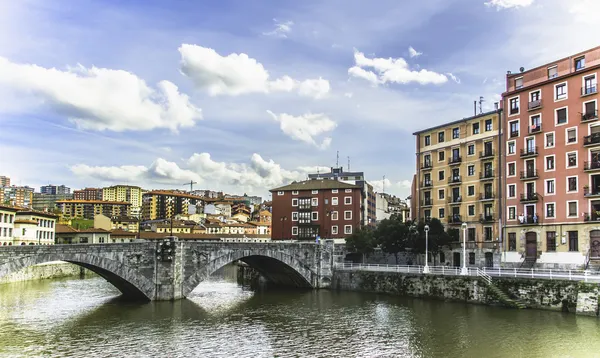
pixel 552 162
pixel 88 194
pixel 307 209
pixel 369 202
pixel 55 189
pixel 4 181
pixel 88 209
pixel 163 204
pixel 17 195
pixel 47 202
pixel 127 193
pixel 458 182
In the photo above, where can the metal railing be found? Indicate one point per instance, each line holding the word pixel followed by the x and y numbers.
pixel 546 274
pixel 487 278
pixel 529 151
pixel 534 104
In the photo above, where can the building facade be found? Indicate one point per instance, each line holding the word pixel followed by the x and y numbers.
pixel 88 209
pixel 307 209
pixel 88 194
pixel 457 181
pixel 21 196
pixel 4 181
pixel 162 204
pixel 55 189
pixel 552 163
pixel 126 193
pixel 19 226
pixel 47 202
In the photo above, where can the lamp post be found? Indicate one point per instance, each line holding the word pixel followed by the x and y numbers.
pixel 283 219
pixel 426 268
pixel 464 271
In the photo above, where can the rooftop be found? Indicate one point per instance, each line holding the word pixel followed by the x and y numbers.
pixel 316 185
pixel 175 193
pixel 458 121
pixel 103 202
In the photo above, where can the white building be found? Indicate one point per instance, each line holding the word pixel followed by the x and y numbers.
pixel 19 226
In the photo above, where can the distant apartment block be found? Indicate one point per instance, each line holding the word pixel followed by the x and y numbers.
pixel 88 194
pixel 164 204
pixel 47 202
pixel 552 163
pixel 55 189
pixel 88 209
pixel 4 181
pixel 17 195
pixel 126 193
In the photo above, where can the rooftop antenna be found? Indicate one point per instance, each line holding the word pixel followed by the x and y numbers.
pixel 383 185
pixel 337 159
pixel 481 100
pixel 348 163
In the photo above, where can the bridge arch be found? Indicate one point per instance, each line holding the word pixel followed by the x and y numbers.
pixel 275 265
pixel 131 285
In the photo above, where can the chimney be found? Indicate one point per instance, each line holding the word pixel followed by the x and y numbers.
pixel 496 105
pixel 474 108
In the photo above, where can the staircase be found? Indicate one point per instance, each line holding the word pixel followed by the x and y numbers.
pixel 501 295
pixel 528 263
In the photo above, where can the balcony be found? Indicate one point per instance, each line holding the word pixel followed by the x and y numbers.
pixel 514 134
pixel 528 220
pixel 486 153
pixel 427 184
pixel 486 175
pixel 486 218
pixel 454 180
pixel 589 116
pixel 455 160
pixel 514 110
pixel 455 201
pixel 586 91
pixel 590 166
pixel 535 128
pixel 593 216
pixel 533 105
pixel 427 202
pixel 529 174
pixel 529 198
pixel 595 192
pixel 591 140
pixel 529 152
pixel 455 219
pixel 426 166
pixel 486 196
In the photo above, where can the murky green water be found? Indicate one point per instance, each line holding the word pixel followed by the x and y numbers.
pixel 84 318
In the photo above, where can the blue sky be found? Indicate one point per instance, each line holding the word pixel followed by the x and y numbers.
pixel 243 96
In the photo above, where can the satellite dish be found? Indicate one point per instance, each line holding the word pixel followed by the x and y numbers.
pixel 522 69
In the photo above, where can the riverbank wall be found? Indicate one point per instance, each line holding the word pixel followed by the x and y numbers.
pixel 48 270
pixel 567 296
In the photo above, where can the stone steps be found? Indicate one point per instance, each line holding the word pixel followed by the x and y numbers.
pixel 504 298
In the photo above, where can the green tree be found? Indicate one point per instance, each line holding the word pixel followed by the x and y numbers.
pixel 438 237
pixel 361 241
pixel 393 235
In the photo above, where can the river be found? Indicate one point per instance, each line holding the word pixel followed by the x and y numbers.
pixel 85 318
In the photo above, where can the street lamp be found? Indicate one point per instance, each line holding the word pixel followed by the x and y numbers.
pixel 464 271
pixel 283 219
pixel 426 268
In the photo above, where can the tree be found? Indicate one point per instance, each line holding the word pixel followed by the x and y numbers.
pixel 361 241
pixel 393 235
pixel 438 237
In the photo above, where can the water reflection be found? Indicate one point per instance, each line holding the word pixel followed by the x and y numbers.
pixel 85 318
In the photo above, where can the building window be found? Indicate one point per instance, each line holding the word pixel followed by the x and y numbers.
pixel 471 190
pixel 294 230
pixel 348 190
pixel 347 229
pixel 334 230
pixel 512 241
pixel 315 192
pixel 455 133
pixel 512 169
pixel 488 125
pixel 348 215
pixel 552 72
pixel 514 105
pixel 334 215
pixel 573 240
pixel 561 116
pixel 334 191
pixel 295 216
pixel 471 210
pixel 471 258
pixel 579 63
pixel 427 214
pixel 512 213
pixel 441 175
pixel 427 140
pixel 475 128
pixel 518 82
pixel 572 135
pixel 549 140
pixel 441 213
pixel 551 241
pixel 441 156
pixel 347 200
pixel 589 86
pixel 471 149
pixel 471 170
pixel 294 192
pixel 512 190
pixel 572 208
pixel 334 200
pixel 571 160
pixel 441 194
pixel 511 147
pixel 572 184
pixel 294 202
pixel 440 137
pixel 314 216
pixel 550 162
pixel 514 129
pixel 280 193
pixel 560 91
pixel 550 186
pixel 314 202
pixel 550 210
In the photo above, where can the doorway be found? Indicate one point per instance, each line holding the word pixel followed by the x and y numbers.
pixel 595 244
pixel 456 259
pixel 531 245
pixel 489 259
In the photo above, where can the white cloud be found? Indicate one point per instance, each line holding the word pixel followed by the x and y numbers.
pixel 453 77
pixel 237 74
pixel 348 94
pixel 388 186
pixel 508 4
pixel 256 175
pixel 102 99
pixel 281 29
pixel 414 53
pixel 306 128
pixel 391 70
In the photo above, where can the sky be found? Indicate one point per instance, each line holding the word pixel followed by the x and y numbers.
pixel 244 96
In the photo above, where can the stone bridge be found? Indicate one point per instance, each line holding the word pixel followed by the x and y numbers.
pixel 170 269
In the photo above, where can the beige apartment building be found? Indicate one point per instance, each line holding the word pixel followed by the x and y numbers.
pixel 458 182
pixel 126 193
pixel 88 209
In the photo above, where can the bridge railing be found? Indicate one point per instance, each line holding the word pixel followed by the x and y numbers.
pixel 547 274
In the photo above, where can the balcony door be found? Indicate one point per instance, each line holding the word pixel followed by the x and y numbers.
pixel 487 189
pixel 529 212
pixel 530 145
pixel 529 189
pixel 487 147
pixel 595 185
pixel 455 154
pixel 530 167
pixel 590 108
pixel 455 194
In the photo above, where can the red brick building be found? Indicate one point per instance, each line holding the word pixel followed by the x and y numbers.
pixel 328 208
pixel 88 194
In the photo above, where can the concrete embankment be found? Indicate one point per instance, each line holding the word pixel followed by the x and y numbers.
pixel 566 296
pixel 49 270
